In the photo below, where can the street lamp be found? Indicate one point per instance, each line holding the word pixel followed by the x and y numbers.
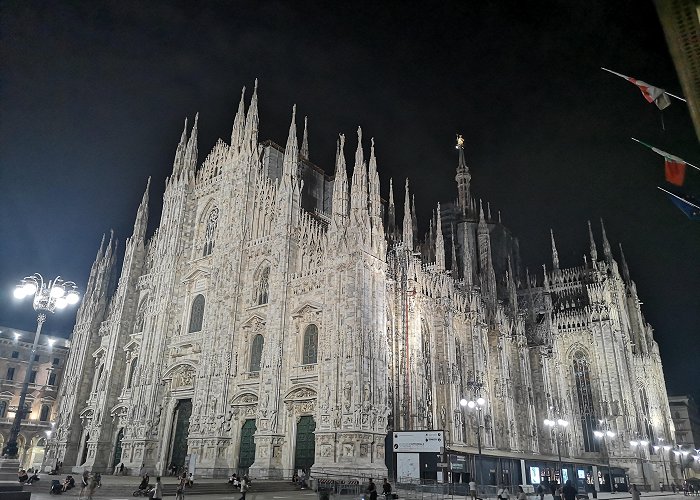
pixel 555 425
pixel 602 435
pixel 47 296
pixel 478 403
pixel 638 446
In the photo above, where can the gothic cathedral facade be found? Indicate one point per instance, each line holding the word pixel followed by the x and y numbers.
pixel 279 318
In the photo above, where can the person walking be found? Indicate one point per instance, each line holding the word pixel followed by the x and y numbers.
pixel 503 493
pixel 569 491
pixel 540 491
pixel 244 487
pixel 84 482
pixel 521 493
pixel 92 485
pixel 158 490
pixel 386 489
pixel 472 489
pixel 372 490
pixel 635 492
pixel 182 482
pixel 558 493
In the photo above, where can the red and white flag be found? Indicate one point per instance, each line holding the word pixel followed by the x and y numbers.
pixel 652 94
pixel 674 167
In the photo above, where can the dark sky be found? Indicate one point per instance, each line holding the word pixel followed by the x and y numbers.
pixel 92 101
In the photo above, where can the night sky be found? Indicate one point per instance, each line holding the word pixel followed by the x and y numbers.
pixel 93 98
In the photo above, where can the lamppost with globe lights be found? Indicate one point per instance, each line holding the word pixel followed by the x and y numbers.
pixel 476 403
pixel 602 435
pixel 47 296
pixel 664 449
pixel 555 425
pixel 638 446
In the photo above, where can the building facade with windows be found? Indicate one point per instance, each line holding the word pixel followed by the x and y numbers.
pixel 280 318
pixel 41 401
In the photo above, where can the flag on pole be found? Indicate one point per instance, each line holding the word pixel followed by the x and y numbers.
pixel 686 203
pixel 652 94
pixel 674 166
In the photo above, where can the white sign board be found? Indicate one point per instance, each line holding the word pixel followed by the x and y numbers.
pixel 419 441
pixel 407 466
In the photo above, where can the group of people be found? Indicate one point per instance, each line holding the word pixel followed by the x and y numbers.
pixel 24 477
pixel 88 484
pixel 386 490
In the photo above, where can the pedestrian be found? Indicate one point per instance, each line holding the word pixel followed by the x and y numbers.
pixel 569 491
pixel 503 493
pixel 540 491
pixel 386 489
pixel 558 493
pixel 244 487
pixel 84 481
pixel 472 488
pixel 190 480
pixel 635 492
pixel 180 492
pixel 372 490
pixel 92 485
pixel 158 490
pixel 521 493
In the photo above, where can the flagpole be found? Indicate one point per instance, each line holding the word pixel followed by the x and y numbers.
pixel 678 197
pixel 651 147
pixel 677 97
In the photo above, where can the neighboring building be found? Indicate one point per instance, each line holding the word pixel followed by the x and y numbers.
pixel 686 419
pixel 269 326
pixel 681 22
pixel 47 370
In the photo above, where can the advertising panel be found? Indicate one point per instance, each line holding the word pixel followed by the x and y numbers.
pixel 419 441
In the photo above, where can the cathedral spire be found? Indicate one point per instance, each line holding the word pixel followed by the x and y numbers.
pixel 142 216
pixel 250 134
pixel 594 250
pixel 414 217
pixel 190 164
pixel 607 251
pixel 392 211
pixel 340 186
pixel 453 264
pixel 407 221
pixel 439 244
pixel 304 151
pixel 358 189
pixel 180 152
pixel 625 269
pixel 463 177
pixel 291 152
pixel 239 123
pixel 555 254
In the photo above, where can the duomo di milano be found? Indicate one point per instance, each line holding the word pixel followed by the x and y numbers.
pixel 279 318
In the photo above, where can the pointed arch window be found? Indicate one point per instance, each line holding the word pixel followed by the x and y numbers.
pixel 310 347
pixel 584 394
pixel 256 353
pixel 210 233
pixel 132 371
pixel 262 284
pixel 3 409
pixel 197 314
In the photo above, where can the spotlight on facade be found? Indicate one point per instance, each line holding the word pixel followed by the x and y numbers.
pixel 463 402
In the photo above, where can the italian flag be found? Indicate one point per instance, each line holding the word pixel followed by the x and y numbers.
pixel 674 167
pixel 652 94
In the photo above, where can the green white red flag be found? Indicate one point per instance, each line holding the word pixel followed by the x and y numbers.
pixel 652 94
pixel 674 166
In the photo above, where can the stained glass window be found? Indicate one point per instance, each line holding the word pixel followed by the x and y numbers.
pixel 310 352
pixel 197 315
pixel 256 353
pixel 584 395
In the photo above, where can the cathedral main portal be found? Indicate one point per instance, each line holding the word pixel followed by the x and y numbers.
pixel 305 444
pixel 181 424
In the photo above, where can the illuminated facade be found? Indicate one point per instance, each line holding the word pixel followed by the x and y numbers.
pixel 280 319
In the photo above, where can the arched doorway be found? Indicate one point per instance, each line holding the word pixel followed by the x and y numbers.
pixel 118 448
pixel 246 454
pixel 305 450
pixel 181 428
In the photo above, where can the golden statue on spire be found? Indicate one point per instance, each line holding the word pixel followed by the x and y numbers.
pixel 460 142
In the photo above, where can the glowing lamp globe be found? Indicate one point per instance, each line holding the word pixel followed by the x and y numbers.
pixel 72 298
pixel 29 288
pixel 61 303
pixel 481 401
pixel 19 293
pixel 463 402
pixel 57 292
